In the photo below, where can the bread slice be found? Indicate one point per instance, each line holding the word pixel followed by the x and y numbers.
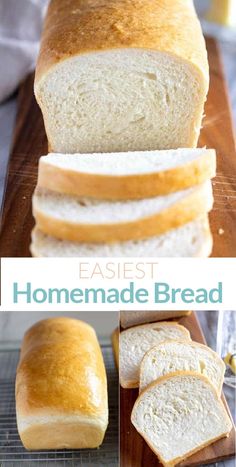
pixel 169 357
pixel 121 75
pixel 133 318
pixel 191 240
pixel 121 176
pixel 92 221
pixel 178 415
pixel 136 341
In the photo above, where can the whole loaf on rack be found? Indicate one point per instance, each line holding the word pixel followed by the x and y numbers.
pixel 61 387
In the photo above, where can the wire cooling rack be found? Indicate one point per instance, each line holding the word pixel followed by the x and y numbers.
pixel 12 453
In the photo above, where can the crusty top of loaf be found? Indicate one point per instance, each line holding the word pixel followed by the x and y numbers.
pixel 61 369
pixel 78 26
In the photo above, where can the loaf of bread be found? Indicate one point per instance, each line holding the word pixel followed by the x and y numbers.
pixel 136 341
pixel 80 219
pixel 173 356
pixel 178 415
pixel 61 387
pixel 121 75
pixel 133 318
pixel 191 240
pixel 122 176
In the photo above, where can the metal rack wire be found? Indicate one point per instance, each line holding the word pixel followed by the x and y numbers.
pixel 12 453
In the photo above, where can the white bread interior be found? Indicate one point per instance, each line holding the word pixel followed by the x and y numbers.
pixel 136 341
pixel 178 415
pixel 121 100
pixel 172 356
pixel 121 76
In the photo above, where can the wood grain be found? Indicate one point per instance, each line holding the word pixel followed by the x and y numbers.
pixel 134 452
pixel 218 133
pixel 30 143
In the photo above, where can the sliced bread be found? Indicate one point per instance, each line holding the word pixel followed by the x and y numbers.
pixel 170 356
pixel 92 221
pixel 121 75
pixel 133 318
pixel 191 240
pixel 121 176
pixel 136 341
pixel 178 415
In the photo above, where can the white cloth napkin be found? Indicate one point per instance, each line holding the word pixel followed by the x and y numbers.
pixel 20 31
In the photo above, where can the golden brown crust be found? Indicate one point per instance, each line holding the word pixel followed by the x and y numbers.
pixel 54 330
pixel 60 367
pixel 37 250
pixel 80 26
pixel 186 210
pixel 127 186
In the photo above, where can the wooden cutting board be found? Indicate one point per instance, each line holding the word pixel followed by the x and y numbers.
pixel 134 452
pixel 30 143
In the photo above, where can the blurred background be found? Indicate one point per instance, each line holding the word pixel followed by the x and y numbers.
pixel 13 325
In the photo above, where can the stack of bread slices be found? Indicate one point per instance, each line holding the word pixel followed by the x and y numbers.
pixel 152 203
pixel 179 409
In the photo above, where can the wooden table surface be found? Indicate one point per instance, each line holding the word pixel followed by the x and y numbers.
pixel 217 132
